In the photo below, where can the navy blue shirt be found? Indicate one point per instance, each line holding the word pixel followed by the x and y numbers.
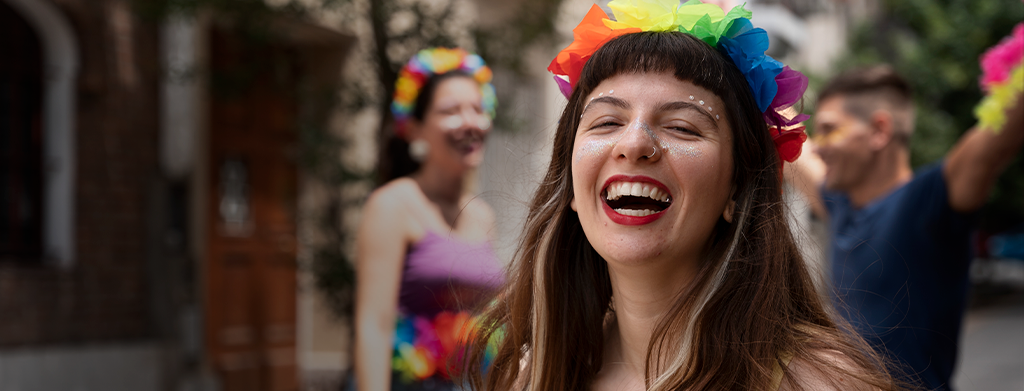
pixel 899 269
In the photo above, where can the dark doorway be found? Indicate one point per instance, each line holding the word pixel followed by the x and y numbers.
pixel 21 140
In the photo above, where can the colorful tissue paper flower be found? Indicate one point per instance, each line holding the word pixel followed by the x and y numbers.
pixel 1002 79
pixel 426 347
pixel 413 363
pixel 587 38
pixel 404 332
pixel 647 15
pixel 563 86
pixel 747 52
pixel 991 112
pixel 789 142
pixel 791 88
pixel 998 62
pixel 707 21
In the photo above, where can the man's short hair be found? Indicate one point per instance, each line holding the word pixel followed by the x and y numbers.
pixel 869 89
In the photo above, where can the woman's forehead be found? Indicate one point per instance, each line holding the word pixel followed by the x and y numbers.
pixel 456 89
pixel 653 89
pixel 649 85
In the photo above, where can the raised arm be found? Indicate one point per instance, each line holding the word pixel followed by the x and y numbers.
pixel 975 162
pixel 806 175
pixel 380 247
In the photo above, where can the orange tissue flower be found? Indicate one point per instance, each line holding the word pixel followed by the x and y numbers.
pixel 587 38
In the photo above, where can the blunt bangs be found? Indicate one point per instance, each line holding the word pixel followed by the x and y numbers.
pixel 681 54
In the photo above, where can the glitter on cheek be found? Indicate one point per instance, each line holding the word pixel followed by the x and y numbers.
pixel 593 148
pixel 683 150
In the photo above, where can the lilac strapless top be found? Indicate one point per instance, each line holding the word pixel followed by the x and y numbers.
pixel 443 273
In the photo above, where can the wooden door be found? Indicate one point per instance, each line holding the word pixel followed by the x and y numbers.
pixel 250 270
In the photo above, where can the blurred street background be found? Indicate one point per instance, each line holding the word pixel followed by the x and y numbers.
pixel 180 179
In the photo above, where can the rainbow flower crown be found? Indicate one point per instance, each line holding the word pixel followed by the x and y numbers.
pixel 776 87
pixel 1002 79
pixel 436 61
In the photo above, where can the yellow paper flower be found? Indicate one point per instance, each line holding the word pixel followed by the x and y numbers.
pixel 405 90
pixel 991 112
pixel 445 60
pixel 647 15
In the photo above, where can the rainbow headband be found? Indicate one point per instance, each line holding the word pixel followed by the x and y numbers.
pixel 1002 79
pixel 436 61
pixel 776 87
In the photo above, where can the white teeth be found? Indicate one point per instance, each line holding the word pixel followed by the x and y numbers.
pixel 656 194
pixel 636 212
pixel 636 189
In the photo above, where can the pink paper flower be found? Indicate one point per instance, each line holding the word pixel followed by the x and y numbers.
pixel 999 61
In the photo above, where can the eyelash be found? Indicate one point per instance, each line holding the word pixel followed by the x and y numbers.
pixel 606 123
pixel 681 129
pixel 685 130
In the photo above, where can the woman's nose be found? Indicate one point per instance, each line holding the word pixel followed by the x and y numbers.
pixel 474 118
pixel 467 118
pixel 639 143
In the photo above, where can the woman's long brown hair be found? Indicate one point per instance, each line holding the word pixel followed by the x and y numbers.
pixel 750 307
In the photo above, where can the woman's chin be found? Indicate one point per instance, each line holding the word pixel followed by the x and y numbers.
pixel 637 254
pixel 474 159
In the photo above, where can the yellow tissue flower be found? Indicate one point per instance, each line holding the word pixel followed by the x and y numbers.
pixel 647 15
pixel 991 112
pixel 444 60
pixel 405 90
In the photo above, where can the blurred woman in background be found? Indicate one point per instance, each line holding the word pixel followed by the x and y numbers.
pixel 423 247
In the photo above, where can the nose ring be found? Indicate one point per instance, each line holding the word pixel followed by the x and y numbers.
pixel 652 153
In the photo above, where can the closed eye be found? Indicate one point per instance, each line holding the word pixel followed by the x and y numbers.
pixel 683 129
pixel 606 124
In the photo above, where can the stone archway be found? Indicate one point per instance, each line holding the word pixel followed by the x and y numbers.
pixel 60 69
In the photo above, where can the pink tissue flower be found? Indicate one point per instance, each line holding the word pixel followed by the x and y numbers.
pixel 998 61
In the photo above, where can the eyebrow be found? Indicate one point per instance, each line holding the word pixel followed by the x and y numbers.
pixel 681 105
pixel 609 100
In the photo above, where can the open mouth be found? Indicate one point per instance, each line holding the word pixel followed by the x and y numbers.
pixel 466 141
pixel 636 198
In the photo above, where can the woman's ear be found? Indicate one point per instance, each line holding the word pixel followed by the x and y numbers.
pixel 729 209
pixel 572 204
pixel 413 129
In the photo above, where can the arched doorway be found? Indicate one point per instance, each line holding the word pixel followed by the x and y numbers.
pixel 21 140
pixel 59 67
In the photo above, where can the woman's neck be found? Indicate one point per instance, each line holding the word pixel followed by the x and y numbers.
pixel 642 295
pixel 441 187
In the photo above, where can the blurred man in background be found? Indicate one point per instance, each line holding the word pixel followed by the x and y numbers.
pixel 900 245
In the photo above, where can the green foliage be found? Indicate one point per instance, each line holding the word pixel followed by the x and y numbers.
pixel 935 44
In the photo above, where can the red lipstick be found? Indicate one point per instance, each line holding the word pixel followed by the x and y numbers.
pixel 622 219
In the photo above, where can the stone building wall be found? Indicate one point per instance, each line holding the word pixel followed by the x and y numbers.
pixel 103 294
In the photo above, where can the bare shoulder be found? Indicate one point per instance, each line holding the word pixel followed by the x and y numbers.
pixel 827 370
pixel 392 196
pixel 388 209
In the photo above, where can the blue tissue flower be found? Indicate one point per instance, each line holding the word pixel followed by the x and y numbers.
pixel 745 45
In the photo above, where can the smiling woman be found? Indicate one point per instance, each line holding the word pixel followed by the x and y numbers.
pixel 424 257
pixel 656 254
